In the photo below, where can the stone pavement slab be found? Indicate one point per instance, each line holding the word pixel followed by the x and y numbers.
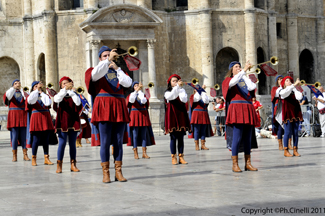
pixel 206 186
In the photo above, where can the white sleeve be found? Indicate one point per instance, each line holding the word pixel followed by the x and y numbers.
pixel 197 97
pixel 123 79
pixel 182 95
pixel 284 93
pixel 236 78
pixel 205 98
pixel 298 94
pixel 173 94
pixel 250 85
pixel 59 96
pixel 10 93
pixel 277 92
pixel 33 97
pixel 46 99
pixel 75 97
pixel 100 70
pixel 22 93
pixel 142 97
pixel 132 97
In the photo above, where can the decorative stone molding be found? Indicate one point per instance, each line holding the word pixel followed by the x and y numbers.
pixel 151 43
pixel 123 16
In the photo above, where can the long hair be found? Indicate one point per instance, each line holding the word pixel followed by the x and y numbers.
pixel 229 73
pixel 169 86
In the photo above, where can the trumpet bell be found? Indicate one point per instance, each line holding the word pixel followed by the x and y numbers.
pixel 317 84
pixel 195 81
pixel 133 51
pixel 50 85
pixel 151 84
pixel 274 60
pixel 80 90
pixel 303 82
pixel 25 89
pixel 217 87
pixel 258 71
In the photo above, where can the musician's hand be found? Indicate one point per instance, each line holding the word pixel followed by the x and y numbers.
pixel 314 98
pixel 69 86
pixel 113 65
pixel 297 82
pixel 248 65
pixel 40 86
pixel 112 55
pixel 140 86
pixel 180 82
pixel 204 86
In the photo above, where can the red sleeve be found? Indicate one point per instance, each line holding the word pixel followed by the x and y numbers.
pixel 225 88
pixel 259 104
pixel 273 91
pixel 88 81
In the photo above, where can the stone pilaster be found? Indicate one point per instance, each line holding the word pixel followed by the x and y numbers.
pixel 152 69
pixel 292 29
pixel 320 43
pixel 143 55
pixel 273 49
pixel 28 36
pixel 94 52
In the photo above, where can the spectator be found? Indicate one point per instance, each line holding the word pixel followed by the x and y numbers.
pixel 320 103
pixel 220 120
pixel 306 115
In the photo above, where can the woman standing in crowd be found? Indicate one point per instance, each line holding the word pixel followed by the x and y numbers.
pixel 291 113
pixel 258 106
pixel 40 126
pixel 176 117
pixel 238 91
pixel 220 120
pixel 67 104
pixel 140 131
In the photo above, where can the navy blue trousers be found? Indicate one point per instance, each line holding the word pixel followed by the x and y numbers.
pixel 199 131
pixel 291 128
pixel 40 138
pixel 177 136
pixel 280 130
pixel 139 135
pixel 242 133
pixel 111 133
pixel 63 136
pixel 18 134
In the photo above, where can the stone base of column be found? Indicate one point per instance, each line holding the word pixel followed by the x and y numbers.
pixel 157 115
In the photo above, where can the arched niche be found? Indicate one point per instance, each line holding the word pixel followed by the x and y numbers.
pixel 306 66
pixel 223 59
pixel 262 86
pixel 9 71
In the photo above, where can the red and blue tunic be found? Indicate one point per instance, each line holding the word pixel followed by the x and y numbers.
pixel 139 115
pixel 199 112
pixel 67 115
pixel 17 115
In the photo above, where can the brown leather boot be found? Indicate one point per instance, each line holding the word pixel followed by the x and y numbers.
pixel 197 147
pixel 181 159
pixel 26 158
pixel 59 166
pixel 73 166
pixel 144 153
pixel 280 144
pixel 105 167
pixel 118 172
pixel 289 144
pixel 287 153
pixel 203 147
pixel 136 156
pixel 235 167
pixel 248 165
pixel 14 155
pixel 295 151
pixel 34 160
pixel 174 159
pixel 78 143
pixel 47 160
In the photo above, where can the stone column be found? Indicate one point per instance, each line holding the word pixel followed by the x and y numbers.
pixel 152 68
pixel 320 43
pixel 29 64
pixel 88 55
pixel 51 59
pixel 292 28
pixel 145 3
pixel 94 52
pixel 206 49
pixel 273 49
pixel 250 20
pixel 143 56
pixel 155 104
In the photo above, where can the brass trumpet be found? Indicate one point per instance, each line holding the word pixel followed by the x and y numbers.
pixel 132 51
pixel 50 85
pixel 25 89
pixel 273 60
pixel 151 85
pixel 80 90
pixel 216 87
pixel 316 84
pixel 194 81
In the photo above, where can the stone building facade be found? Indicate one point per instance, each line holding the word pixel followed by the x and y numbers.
pixel 47 39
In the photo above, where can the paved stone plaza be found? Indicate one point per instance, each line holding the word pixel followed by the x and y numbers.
pixel 206 186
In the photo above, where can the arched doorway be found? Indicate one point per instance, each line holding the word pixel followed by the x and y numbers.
pixel 223 59
pixel 306 66
pixel 262 87
pixel 9 71
pixel 41 68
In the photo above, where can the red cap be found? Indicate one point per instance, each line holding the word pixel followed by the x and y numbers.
pixel 65 78
pixel 174 75
pixel 284 79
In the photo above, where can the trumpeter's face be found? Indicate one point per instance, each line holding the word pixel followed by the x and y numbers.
pixel 104 55
pixel 236 69
pixel 17 85
pixel 173 81
pixel 135 86
pixel 279 81
pixel 287 82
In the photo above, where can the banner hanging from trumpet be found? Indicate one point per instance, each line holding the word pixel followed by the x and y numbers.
pixel 253 78
pixel 50 90
pixel 268 70
pixel 315 91
pixel 213 92
pixel 197 87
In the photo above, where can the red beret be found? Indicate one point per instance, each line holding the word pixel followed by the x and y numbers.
pixel 284 79
pixel 64 78
pixel 174 75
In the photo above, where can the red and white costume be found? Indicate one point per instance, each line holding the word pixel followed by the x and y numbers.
pixel 256 105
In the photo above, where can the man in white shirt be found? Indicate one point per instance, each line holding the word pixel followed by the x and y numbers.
pixel 320 101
